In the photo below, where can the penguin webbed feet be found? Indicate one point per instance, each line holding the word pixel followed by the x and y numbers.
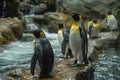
pixel 85 62
pixel 75 64
pixel 62 56
pixel 33 77
pixel 66 57
pixel 47 75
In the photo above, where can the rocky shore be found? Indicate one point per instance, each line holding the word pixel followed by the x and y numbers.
pixel 12 28
pixel 63 72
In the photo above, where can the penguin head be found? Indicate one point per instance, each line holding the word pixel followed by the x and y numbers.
pixel 90 19
pixel 109 12
pixel 37 33
pixel 76 16
pixel 60 26
pixel 95 21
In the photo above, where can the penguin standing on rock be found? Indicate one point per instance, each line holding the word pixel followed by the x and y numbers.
pixel 63 39
pixel 93 29
pixel 112 23
pixel 43 54
pixel 78 41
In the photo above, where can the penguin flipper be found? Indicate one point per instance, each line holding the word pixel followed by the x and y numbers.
pixel 90 30
pixel 33 63
pixel 83 35
pixel 63 46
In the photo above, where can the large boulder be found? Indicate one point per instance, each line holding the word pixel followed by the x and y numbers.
pixel 40 9
pixel 10 8
pixel 51 18
pixel 11 29
pixel 6 34
pixel 94 8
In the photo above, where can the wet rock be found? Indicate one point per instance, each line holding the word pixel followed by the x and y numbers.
pixel 63 72
pixel 10 8
pixel 50 19
pixel 10 29
pixel 17 28
pixel 40 9
pixel 106 39
pixel 86 74
pixel 6 34
pixel 54 17
pixel 94 8
pixel 40 20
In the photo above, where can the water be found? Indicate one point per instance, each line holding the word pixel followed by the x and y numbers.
pixel 18 54
pixel 108 65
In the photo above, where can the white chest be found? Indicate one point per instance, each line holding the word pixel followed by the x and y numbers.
pixel 60 37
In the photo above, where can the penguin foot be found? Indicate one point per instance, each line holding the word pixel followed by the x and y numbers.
pixel 85 62
pixel 61 56
pixel 32 77
pixel 73 65
pixel 64 57
pixel 48 75
pixel 69 56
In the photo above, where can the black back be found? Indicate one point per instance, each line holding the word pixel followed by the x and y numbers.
pixel 44 54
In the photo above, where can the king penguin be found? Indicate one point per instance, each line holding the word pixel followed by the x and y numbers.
pixel 78 41
pixel 43 54
pixel 112 23
pixel 63 39
pixel 93 29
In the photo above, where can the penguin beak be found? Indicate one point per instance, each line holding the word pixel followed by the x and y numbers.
pixel 71 14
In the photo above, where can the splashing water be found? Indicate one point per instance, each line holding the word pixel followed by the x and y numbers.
pixel 108 65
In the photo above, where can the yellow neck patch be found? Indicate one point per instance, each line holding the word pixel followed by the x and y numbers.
pixel 75 26
pixel 108 16
pixel 89 22
pixel 59 31
pixel 96 25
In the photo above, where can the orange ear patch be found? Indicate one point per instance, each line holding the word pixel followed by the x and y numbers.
pixel 41 33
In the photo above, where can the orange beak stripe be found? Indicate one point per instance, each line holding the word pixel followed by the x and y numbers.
pixel 41 33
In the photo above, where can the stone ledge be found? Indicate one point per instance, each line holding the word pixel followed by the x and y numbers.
pixel 63 72
pixel 10 30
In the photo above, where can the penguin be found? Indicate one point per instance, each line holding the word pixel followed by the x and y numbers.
pixel 43 54
pixel 112 23
pixel 78 41
pixel 93 29
pixel 63 39
pixel 89 23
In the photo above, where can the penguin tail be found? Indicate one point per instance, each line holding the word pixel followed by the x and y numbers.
pixel 33 63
